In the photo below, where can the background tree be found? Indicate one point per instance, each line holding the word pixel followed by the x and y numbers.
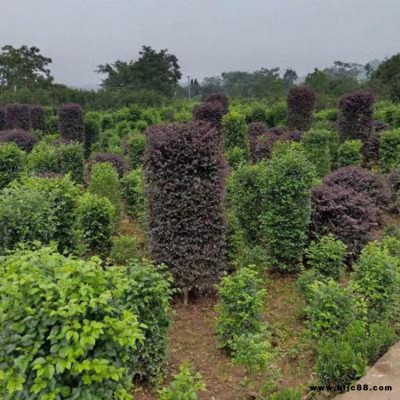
pixel 388 76
pixel 158 71
pixel 23 67
pixel 289 78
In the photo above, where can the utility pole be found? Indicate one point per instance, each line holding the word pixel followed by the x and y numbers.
pixel 189 96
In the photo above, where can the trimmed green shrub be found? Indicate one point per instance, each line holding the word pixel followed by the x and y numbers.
pixel 123 249
pixel 236 157
pixel 305 280
pixel 132 187
pixel 350 153
pixel 381 337
pixel 92 123
pixel 12 162
pixel 71 159
pixel 240 307
pixel 389 150
pixel 287 195
pixel 43 159
pixel 148 294
pixel 287 394
pixel 135 147
pixel 104 182
pixel 94 217
pixel 326 256
pixel 235 133
pixel 65 331
pixel 185 386
pixel 245 199
pixel 316 145
pixel 330 308
pixel 375 280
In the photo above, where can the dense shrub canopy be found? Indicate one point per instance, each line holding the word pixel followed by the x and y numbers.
pixel 218 98
pixel 71 123
pixel 211 112
pixel 356 111
pixel 2 118
pixel 18 116
pixel 389 150
pixel 348 215
pixel 117 161
pixel 316 144
pixel 24 140
pixel 184 175
pixel 11 163
pixel 38 118
pixel 301 103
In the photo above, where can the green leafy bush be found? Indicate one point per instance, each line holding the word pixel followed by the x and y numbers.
pixel 12 161
pixel 330 308
pixel 92 123
pixel 236 157
pixel 389 149
pixel 287 196
pixel 123 249
pixel 235 132
pixel 65 334
pixel 326 256
pixel 350 153
pixel 104 182
pixel 94 217
pixel 316 143
pixel 305 280
pixel 375 280
pixel 240 306
pixel 43 159
pixel 135 147
pixel 71 159
pixel 287 394
pixel 132 187
pixel 185 386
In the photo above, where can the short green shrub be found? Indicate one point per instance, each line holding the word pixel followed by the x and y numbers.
pixel 132 187
pixel 135 146
pixel 94 218
pixel 287 394
pixel 236 157
pixel 389 149
pixel 104 182
pixel 375 280
pixel 123 249
pixel 71 159
pixel 235 133
pixel 350 153
pixel 316 143
pixel 12 162
pixel 240 306
pixel 305 280
pixel 185 386
pixel 330 308
pixel 381 336
pixel 43 158
pixel 65 332
pixel 92 121
pixel 326 256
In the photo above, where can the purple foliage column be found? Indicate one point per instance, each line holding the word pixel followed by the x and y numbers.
pixel 18 116
pixel 185 185
pixel 301 104
pixel 71 123
pixel 2 118
pixel 38 118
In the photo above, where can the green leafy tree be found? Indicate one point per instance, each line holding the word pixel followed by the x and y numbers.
pixel 388 75
pixel 23 67
pixel 158 71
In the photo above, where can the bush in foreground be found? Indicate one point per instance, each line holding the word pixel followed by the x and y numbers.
pixel 12 161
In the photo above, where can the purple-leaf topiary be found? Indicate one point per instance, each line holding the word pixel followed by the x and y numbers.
pixel 363 182
pixel 2 118
pixel 185 186
pixel 70 122
pixel 219 98
pixel 18 116
pixel 38 118
pixel 350 216
pixel 24 140
pixel 211 112
pixel 355 121
pixel 117 161
pixel 301 104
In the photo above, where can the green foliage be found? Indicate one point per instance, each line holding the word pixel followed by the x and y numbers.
pixel 330 308
pixel 287 394
pixel 12 161
pixel 381 337
pixel 236 157
pixel 326 256
pixel 148 293
pixel 94 217
pixel 240 307
pixel 136 145
pixel 235 240
pixel 92 121
pixel 104 182
pixel 132 187
pixel 375 280
pixel 287 196
pixel 72 160
pixel 316 143
pixel 123 249
pixel 246 200
pixel 65 331
pixel 43 158
pixel 185 386
pixel 305 280
pixel 235 132
pixel 349 153
pixel 389 150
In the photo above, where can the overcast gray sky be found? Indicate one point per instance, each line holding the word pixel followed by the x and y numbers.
pixel 207 36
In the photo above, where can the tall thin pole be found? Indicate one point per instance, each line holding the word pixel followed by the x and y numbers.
pixel 189 85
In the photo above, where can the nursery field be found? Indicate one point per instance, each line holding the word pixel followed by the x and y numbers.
pixel 212 248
